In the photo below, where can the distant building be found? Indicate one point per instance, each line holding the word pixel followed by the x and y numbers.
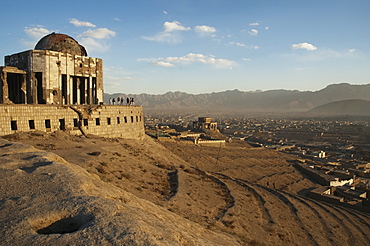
pixel 205 123
pixel 325 194
pixel 321 154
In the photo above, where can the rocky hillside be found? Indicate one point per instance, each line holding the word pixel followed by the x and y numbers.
pixel 63 190
pixel 46 200
pixel 261 101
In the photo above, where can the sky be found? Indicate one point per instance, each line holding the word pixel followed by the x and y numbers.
pixel 204 46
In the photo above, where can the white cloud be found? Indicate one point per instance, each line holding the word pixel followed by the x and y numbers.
pixel 253 32
pixel 352 50
pixel 205 29
pixel 165 37
pixel 254 24
pixel 253 47
pixel 92 45
pixel 266 28
pixel 246 59
pixel 189 59
pixel 322 54
pixel 36 32
pixel 90 38
pixel 162 64
pixel 170 34
pixel 117 19
pixel 117 80
pixel 165 12
pixel 78 23
pixel 238 44
pixel 174 26
pixel 99 33
pixel 305 46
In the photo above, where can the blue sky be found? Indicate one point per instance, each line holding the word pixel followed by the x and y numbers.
pixel 201 46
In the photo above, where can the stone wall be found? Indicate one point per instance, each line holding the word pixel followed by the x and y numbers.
pixel 102 120
pixel 211 142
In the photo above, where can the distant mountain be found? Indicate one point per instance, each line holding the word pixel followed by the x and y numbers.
pixel 262 101
pixel 344 107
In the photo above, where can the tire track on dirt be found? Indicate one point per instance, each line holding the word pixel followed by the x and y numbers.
pixel 348 231
pixel 293 210
pixel 229 199
pixel 328 232
pixel 351 222
pixel 355 213
pixel 261 201
pixel 365 235
pixel 271 175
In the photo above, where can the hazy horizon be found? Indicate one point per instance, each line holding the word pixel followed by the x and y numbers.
pixel 250 91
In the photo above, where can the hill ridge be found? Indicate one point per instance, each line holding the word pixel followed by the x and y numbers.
pixel 356 107
pixel 278 100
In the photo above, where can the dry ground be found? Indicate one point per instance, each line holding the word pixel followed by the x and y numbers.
pixel 254 195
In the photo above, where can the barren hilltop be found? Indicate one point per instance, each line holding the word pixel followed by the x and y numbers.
pixel 57 189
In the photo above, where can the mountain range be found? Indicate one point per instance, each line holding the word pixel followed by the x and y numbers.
pixel 258 101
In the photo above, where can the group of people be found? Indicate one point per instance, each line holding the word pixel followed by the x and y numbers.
pixel 121 101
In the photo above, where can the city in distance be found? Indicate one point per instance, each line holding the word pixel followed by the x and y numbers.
pixel 307 153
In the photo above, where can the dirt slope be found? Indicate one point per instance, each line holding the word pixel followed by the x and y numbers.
pixel 47 201
pixel 253 195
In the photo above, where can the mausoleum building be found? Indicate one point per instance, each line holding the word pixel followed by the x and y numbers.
pixel 56 86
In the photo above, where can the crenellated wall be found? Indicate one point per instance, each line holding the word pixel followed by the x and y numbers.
pixel 102 120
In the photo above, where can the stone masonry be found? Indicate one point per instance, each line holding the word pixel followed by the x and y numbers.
pixel 101 120
pixel 57 87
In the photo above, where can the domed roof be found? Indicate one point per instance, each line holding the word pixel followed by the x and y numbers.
pixel 61 43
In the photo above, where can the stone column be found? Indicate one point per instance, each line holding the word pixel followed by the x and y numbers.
pixel 24 88
pixel 3 86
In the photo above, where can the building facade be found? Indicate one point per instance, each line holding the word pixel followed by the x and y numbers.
pixel 52 74
pixel 205 123
pixel 57 86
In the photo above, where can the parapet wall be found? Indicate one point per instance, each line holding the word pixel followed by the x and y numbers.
pixel 216 142
pixel 102 120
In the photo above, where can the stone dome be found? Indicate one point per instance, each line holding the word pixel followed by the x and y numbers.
pixel 61 43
